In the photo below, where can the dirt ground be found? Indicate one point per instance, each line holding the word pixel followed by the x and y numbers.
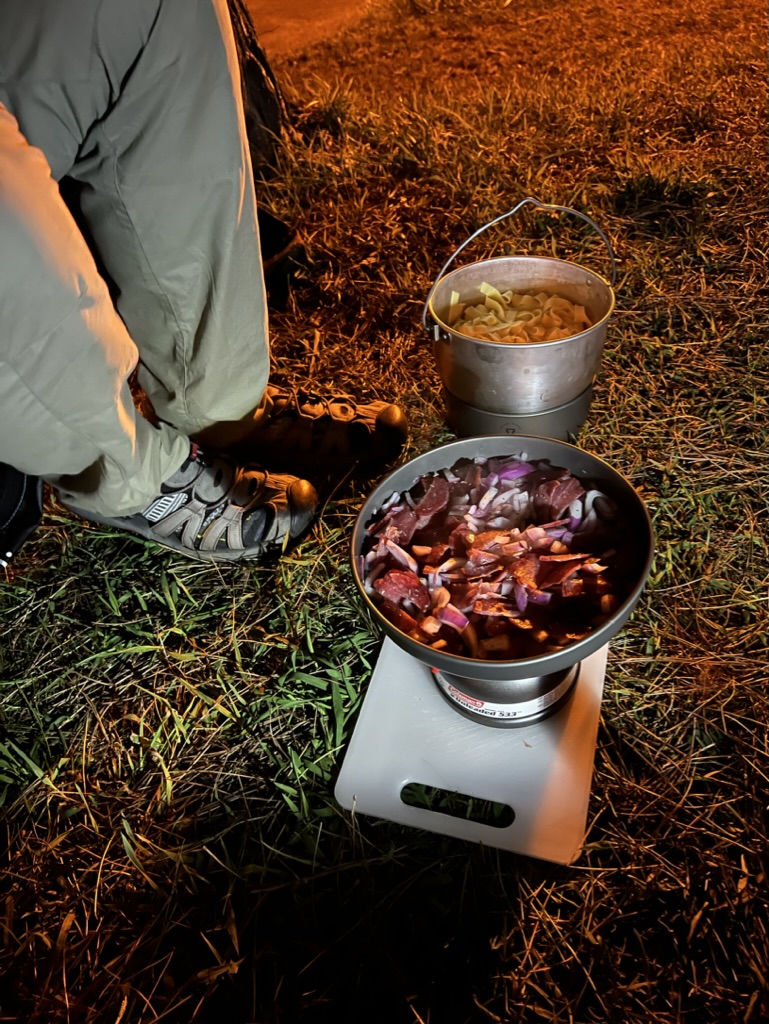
pixel 293 25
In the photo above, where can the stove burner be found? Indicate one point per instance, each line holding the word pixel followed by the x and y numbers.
pixel 508 703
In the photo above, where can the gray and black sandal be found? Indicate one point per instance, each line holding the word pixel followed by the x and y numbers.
pixel 212 509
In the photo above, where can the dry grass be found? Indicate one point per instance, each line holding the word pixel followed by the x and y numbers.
pixel 171 732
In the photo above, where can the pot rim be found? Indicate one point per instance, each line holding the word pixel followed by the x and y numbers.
pixel 438 323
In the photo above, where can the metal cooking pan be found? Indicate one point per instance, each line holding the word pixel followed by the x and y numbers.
pixel 638 536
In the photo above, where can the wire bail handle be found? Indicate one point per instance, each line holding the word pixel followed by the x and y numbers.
pixel 503 216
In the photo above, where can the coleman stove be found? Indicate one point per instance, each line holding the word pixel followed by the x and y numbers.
pixel 516 732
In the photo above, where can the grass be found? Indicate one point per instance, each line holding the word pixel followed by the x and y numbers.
pixel 170 732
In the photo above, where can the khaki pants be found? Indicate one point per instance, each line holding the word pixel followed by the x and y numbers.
pixel 139 104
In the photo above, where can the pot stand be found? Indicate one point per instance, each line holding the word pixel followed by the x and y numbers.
pixel 407 733
pixel 562 423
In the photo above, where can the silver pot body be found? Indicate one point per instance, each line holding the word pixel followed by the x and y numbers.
pixel 517 380
pixel 638 538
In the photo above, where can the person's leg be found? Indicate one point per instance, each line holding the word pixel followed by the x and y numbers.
pixel 168 196
pixel 66 411
pixel 169 199
pixel 141 104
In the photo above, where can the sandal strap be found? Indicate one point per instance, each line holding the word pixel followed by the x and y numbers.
pixel 212 516
pixel 312 406
pixel 228 525
pixel 191 517
pixel 315 434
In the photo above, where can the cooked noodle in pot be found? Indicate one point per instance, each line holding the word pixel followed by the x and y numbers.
pixel 517 318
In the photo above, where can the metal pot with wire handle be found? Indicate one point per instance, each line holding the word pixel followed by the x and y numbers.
pixel 542 388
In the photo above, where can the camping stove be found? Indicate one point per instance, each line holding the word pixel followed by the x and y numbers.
pixel 425 720
pixel 413 731
pixel 508 703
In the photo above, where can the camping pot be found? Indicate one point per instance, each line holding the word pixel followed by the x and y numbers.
pixel 521 691
pixel 541 388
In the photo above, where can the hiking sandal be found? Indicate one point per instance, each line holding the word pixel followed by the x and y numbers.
pixel 212 509
pixel 311 433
